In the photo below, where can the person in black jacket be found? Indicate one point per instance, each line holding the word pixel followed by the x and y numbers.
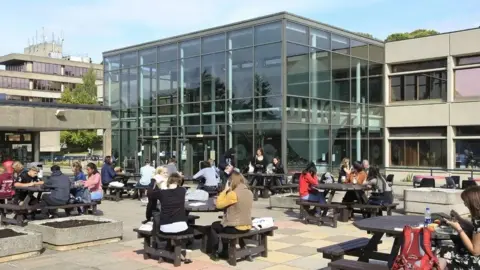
pixel 173 218
pixel 278 169
pixel 60 186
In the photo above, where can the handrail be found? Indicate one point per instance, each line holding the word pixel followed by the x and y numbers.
pixel 53 105
pixel 432 170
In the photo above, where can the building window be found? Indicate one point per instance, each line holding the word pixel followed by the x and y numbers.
pixel 14 83
pixel 19 67
pixel 418 153
pixel 416 66
pixel 467 83
pixel 47 85
pixel 467 153
pixel 422 86
pixel 46 68
pixel 469 60
pixel 75 71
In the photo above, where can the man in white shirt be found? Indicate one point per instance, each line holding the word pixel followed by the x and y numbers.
pixel 147 172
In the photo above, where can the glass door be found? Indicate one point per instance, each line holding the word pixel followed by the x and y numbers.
pixel 197 150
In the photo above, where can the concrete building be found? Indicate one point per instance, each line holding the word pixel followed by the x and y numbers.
pixel 40 75
pixel 302 90
pixel 432 95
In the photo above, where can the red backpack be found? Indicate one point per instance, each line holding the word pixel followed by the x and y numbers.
pixel 6 186
pixel 416 252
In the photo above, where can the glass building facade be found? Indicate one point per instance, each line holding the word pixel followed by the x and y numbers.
pixel 301 90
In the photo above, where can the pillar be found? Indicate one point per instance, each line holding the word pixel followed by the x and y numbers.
pixel 450 79
pixel 386 148
pixel 450 98
pixel 230 95
pixel 314 109
pixel 450 147
pixel 358 118
pixel 107 142
pixel 36 146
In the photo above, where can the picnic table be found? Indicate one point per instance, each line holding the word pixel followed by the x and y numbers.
pixel 387 225
pixel 201 206
pixel 31 190
pixel 270 182
pixel 333 187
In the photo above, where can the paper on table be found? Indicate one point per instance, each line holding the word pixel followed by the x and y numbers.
pixel 197 204
pixel 398 229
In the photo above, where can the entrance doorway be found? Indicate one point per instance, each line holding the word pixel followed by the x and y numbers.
pixel 195 150
pixel 157 150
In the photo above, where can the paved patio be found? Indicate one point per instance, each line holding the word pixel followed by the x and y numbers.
pixel 294 245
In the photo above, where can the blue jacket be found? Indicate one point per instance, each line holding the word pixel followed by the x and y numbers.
pixel 80 176
pixel 107 173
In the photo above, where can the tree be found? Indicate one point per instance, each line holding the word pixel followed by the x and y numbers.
pixel 414 34
pixel 367 35
pixel 85 93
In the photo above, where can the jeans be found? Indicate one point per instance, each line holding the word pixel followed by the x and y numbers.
pixel 315 197
pixel 96 196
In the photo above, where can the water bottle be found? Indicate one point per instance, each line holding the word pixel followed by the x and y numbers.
pixel 428 217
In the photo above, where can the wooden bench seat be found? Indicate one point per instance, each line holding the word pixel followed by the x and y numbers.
pixel 337 251
pixel 175 253
pixel 261 247
pixel 339 211
pixel 113 193
pixel 369 210
pixel 355 265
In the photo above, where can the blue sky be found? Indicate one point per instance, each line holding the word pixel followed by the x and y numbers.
pixel 93 26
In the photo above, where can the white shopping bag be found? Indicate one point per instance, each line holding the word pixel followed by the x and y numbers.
pixel 262 223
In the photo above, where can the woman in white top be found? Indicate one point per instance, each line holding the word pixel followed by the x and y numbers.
pixel 161 177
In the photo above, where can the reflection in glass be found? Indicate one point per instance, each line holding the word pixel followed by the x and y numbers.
pixel 296 33
pixel 190 87
pixel 297 109
pixel 358 80
pixel 269 137
pixel 298 146
pixel 111 63
pixel 128 141
pixel 191 114
pixel 148 56
pixel 268 70
pixel 340 113
pixel 241 110
pixel 241 138
pixel 268 108
pixel 112 90
pixel 359 144
pixel 214 43
pixel 167 83
pixel 213 76
pixel 375 83
pixel 320 74
pixel 340 77
pixel 240 38
pixel 359 49
pixel 319 144
pixel 340 44
pixel 190 48
pixel 320 111
pixel 241 73
pixel 297 70
pixel 148 85
pixel 128 59
pixel 467 153
pixel 340 144
pixel 129 94
pixel 168 52
pixel 213 113
pixel 268 33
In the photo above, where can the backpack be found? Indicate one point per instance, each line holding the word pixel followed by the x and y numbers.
pixel 6 186
pixel 416 252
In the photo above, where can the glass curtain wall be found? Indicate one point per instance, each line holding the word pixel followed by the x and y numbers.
pixel 230 86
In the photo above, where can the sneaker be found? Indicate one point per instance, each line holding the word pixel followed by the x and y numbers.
pixel 144 200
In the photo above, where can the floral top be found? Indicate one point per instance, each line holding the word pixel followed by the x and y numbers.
pixel 457 255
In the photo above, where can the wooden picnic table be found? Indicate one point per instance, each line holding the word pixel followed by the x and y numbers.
pixel 31 190
pixel 333 187
pixel 385 225
pixel 201 206
pixel 265 184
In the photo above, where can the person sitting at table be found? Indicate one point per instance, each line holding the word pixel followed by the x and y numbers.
pixel 78 174
pixel 8 165
pixel 27 179
pixel 379 184
pixel 147 173
pixel 356 176
pixel 173 218
pixel 94 182
pixel 278 169
pixel 18 168
pixel 161 177
pixel 306 186
pixel 344 170
pixel 237 200
pixel 107 172
pixel 207 177
pixel 59 184
pixel 465 255
pixel 227 164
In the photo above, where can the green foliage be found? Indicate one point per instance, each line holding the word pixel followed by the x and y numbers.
pixel 85 93
pixel 408 178
pixel 367 35
pixel 414 34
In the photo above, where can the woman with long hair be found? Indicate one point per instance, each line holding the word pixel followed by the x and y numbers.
pixel 379 184
pixel 237 201
pixel 465 254
pixel 94 182
pixel 77 171
pixel 344 170
pixel 308 180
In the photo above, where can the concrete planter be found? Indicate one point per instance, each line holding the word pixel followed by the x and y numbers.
pixel 284 201
pixel 437 199
pixel 78 237
pixel 20 247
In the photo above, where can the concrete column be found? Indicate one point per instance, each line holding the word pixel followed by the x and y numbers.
pixel 36 146
pixel 314 106
pixel 450 148
pixel 62 70
pixel 386 148
pixel 30 85
pixel 229 94
pixel 107 142
pixel 386 84
pixel 450 79
pixel 29 66
pixel 358 118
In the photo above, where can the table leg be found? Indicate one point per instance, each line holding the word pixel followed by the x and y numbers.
pixel 330 196
pixel 397 243
pixel 371 247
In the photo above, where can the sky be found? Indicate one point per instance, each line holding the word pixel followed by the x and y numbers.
pixel 90 27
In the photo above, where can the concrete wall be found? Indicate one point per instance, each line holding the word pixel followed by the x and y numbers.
pixel 50 141
pixel 31 93
pixel 39 76
pixel 44 119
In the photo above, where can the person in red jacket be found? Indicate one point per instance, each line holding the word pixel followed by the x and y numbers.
pixel 6 184
pixel 309 179
pixel 8 165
